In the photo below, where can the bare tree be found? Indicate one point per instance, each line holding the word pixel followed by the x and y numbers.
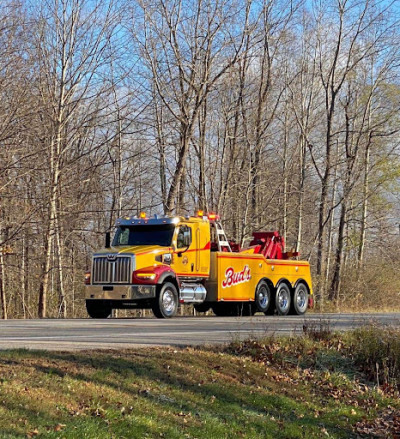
pixel 189 47
pixel 71 40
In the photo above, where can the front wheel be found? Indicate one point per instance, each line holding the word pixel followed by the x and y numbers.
pixel 166 302
pixel 97 309
pixel 283 300
pixel 300 300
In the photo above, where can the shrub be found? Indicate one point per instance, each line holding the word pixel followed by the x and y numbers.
pixel 376 350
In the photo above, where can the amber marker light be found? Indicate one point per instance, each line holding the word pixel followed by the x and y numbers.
pixel 87 278
pixel 213 216
pixel 142 215
pixel 200 213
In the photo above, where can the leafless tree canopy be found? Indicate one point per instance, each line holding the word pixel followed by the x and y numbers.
pixel 278 114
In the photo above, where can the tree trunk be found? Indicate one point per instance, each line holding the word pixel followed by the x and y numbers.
pixel 25 270
pixel 3 288
pixel 324 189
pixel 49 240
pixel 337 268
pixel 179 171
pixel 302 166
pixel 364 211
pixel 62 304
pixel 203 205
pixel 285 179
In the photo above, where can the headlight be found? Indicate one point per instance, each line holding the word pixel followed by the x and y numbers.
pixel 149 276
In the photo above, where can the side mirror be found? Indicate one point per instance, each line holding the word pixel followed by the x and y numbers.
pixel 108 240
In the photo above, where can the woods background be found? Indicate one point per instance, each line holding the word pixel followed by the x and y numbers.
pixel 276 114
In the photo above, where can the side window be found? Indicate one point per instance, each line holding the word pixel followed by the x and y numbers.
pixel 184 238
pixel 124 236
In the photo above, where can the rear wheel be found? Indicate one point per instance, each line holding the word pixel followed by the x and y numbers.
pixel 263 298
pixel 283 299
pixel 98 309
pixel 166 303
pixel 300 300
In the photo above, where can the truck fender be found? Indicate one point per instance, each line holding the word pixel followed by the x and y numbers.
pixel 284 281
pixel 298 281
pixel 268 282
pixel 168 273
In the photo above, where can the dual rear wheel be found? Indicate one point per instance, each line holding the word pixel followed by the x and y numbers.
pixel 267 300
pixel 283 300
pixel 288 303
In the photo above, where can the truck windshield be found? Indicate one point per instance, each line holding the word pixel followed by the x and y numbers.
pixel 144 235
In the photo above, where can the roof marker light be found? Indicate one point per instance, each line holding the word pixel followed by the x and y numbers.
pixel 142 215
pixel 213 216
pixel 200 213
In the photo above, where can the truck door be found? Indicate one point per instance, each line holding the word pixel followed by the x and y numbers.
pixel 184 257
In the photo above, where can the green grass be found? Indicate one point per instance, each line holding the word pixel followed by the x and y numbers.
pixel 276 388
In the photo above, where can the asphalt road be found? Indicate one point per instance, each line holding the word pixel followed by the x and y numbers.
pixel 82 334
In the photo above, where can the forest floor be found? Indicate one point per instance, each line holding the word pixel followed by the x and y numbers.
pixel 318 385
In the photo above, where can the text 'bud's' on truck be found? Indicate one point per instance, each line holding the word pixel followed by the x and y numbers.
pixel 159 263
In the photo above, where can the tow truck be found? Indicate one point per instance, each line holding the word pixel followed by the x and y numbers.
pixel 162 263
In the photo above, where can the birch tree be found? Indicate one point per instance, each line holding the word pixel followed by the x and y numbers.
pixel 72 36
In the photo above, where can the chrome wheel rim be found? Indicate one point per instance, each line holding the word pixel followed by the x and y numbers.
pixel 168 301
pixel 301 298
pixel 262 297
pixel 283 299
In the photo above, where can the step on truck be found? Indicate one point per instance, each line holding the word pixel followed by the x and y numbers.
pixel 162 263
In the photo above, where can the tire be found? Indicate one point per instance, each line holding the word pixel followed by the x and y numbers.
pixel 300 300
pixel 97 309
pixel 283 299
pixel 263 298
pixel 166 303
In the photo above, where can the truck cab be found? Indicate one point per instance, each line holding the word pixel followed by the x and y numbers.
pixel 152 263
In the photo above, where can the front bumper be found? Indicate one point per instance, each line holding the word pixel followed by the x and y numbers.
pixel 120 292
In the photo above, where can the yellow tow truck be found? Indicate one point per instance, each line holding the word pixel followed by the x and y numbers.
pixel 159 263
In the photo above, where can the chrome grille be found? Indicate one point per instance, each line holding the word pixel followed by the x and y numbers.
pixel 107 271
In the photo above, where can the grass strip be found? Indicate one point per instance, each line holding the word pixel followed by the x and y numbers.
pixel 317 385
